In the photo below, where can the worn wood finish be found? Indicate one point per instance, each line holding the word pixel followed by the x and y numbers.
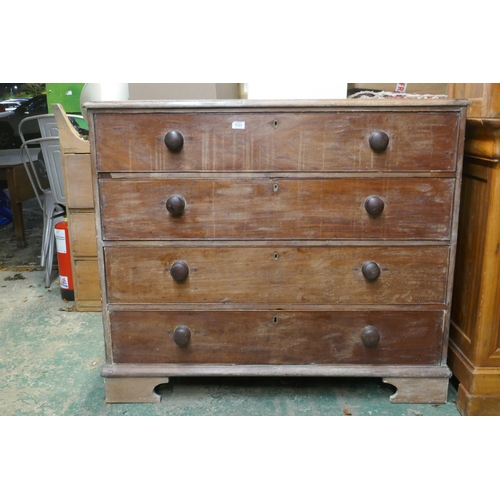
pixel 83 242
pixel 120 370
pixel 484 97
pixel 130 389
pixel 253 337
pixel 416 208
pixel 77 175
pixel 280 274
pixel 483 138
pixel 414 390
pixel 475 321
pixel 277 141
pixel 267 105
pixel 470 250
pixel 86 281
pixel 478 380
pixel 297 243
pixel 483 405
pixel 71 141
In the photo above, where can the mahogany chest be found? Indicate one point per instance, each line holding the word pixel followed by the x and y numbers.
pixel 311 238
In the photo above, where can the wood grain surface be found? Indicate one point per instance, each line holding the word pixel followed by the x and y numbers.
pixel 262 337
pixel 277 141
pixel 273 208
pixel 280 274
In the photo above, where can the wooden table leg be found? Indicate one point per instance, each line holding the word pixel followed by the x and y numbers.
pixel 17 216
pixel 16 205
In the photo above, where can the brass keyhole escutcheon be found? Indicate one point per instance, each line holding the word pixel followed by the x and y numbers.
pixel 276 255
pixel 275 320
pixel 275 187
pixel 276 124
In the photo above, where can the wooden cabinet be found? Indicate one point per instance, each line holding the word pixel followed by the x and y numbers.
pixel 276 238
pixel 75 158
pixel 484 98
pixel 475 325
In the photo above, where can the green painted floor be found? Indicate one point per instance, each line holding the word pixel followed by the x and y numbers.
pixel 51 357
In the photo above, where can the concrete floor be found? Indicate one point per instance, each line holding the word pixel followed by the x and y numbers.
pixel 51 357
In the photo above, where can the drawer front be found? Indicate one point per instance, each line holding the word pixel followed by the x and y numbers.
pixel 265 337
pixel 87 280
pixel 82 234
pixel 277 275
pixel 277 141
pixel 270 208
pixel 78 181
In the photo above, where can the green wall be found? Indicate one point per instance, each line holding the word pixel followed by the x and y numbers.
pixel 66 94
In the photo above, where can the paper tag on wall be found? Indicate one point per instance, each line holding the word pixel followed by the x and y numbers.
pixel 401 87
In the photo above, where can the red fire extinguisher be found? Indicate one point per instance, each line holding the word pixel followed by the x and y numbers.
pixel 64 260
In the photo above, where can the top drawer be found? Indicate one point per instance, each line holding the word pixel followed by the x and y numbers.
pixel 277 141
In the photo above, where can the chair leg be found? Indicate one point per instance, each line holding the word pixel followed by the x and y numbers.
pixel 48 237
pixel 48 212
pixel 48 248
pixel 44 239
pixel 49 261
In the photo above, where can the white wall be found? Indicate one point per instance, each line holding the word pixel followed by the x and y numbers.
pixel 146 91
pixel 303 89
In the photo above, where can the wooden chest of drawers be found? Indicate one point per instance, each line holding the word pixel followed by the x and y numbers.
pixel 276 238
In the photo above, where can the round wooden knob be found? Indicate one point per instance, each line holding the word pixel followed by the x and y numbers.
pixel 174 141
pixel 179 270
pixel 176 205
pixel 370 336
pixel 182 335
pixel 374 205
pixel 370 270
pixel 379 141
